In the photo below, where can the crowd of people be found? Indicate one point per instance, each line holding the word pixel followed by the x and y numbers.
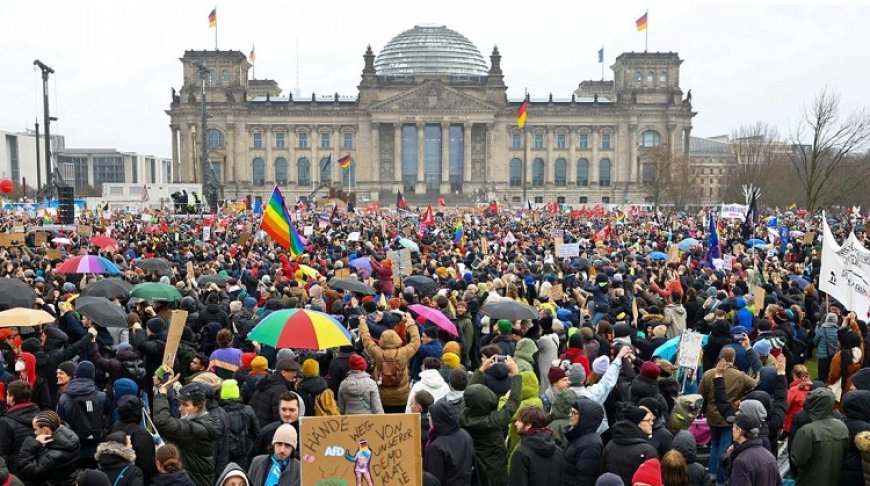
pixel 586 392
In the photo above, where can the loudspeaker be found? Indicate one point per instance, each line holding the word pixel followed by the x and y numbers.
pixel 66 209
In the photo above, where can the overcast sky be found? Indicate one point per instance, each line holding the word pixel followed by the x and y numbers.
pixel 117 60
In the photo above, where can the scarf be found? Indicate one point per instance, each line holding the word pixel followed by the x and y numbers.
pixel 275 470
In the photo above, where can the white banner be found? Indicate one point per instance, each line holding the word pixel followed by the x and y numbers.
pixel 734 211
pixel 845 272
pixel 568 250
pixel 690 349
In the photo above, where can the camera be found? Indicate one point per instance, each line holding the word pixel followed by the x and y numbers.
pixel 500 358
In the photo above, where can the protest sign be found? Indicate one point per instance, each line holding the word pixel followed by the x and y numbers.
pixel 568 250
pixel 689 352
pixel 11 239
pixel 206 233
pixel 243 239
pixel 173 338
pixel 760 293
pixel 39 238
pixel 308 231
pixel 809 238
pixel 52 254
pixel 385 448
pixel 845 271
pixel 401 261
pixel 85 230
pixel 353 236
pixel 733 211
pixel 673 253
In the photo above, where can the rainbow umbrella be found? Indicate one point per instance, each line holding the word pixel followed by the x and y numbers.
pixel 88 264
pixel 299 328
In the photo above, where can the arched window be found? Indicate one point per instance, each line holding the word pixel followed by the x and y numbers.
pixel 663 77
pixel 538 169
pixel 649 77
pixel 649 139
pixel 212 78
pixel 638 77
pixel 303 172
pixel 326 170
pixel 348 176
pixel 561 172
pixel 604 173
pixel 582 173
pixel 516 170
pixel 281 170
pixel 225 77
pixel 215 138
pixel 259 171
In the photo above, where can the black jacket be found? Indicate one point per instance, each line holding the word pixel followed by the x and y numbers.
pixel 685 443
pixel 116 462
pixel 856 406
pixel 180 478
pixel 195 439
pixel 450 454
pixel 130 415
pixel 582 461
pixel 151 347
pixel 266 399
pixel 15 426
pixel 537 461
pixel 627 450
pixel 54 464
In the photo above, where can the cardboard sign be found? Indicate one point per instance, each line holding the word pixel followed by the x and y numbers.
pixel 342 273
pixel 11 239
pixel 401 261
pixel 810 238
pixel 386 447
pixel 243 239
pixel 18 229
pixel 353 236
pixel 673 253
pixel 483 246
pixel 206 233
pixel 52 254
pixel 568 250
pixel 690 349
pixel 173 338
pixel 39 238
pixel 759 299
pixel 556 293
pixel 308 230
pixel 85 230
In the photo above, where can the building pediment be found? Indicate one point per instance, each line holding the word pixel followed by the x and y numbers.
pixel 433 96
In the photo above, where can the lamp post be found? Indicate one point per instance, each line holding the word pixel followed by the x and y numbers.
pixel 46 120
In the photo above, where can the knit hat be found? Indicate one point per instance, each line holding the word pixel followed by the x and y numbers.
pixel 660 331
pixel 575 341
pixel 586 333
pixel 68 367
pixel 285 434
pixel 259 364
pixel 85 369
pixel 504 326
pixel 650 370
pixel 634 414
pixel 230 390
pixel 249 302
pixel 609 479
pixel 650 472
pixel 69 287
pixel 93 477
pixel 192 392
pixel 753 408
pixel 577 375
pixel 156 325
pixel 357 362
pixel 555 374
pixel 831 318
pixel 622 330
pixel 450 360
pixel 651 404
pixel 746 422
pixel 762 347
pixel 431 332
pixel 735 330
pixel 310 368
pixel 600 365
pixel 247 358
pixel 235 306
pixel 208 379
pixel 452 347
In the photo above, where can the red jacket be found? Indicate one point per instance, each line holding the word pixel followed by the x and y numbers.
pixel 576 355
pixel 797 395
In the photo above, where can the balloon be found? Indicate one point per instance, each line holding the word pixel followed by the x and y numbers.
pixel 6 186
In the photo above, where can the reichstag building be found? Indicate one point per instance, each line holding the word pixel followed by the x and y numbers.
pixel 431 118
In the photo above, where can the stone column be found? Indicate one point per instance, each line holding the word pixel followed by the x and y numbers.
pixel 466 153
pixel 292 156
pixel 527 162
pixel 572 156
pixel 194 169
pixel 595 140
pixel 549 164
pixel 375 158
pixel 176 161
pixel 445 158
pixel 397 156
pixel 420 187
pixel 632 143
pixel 673 148
pixel 270 161
pixel 336 154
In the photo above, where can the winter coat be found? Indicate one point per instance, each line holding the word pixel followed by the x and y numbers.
pixel 497 379
pixel 432 349
pixel 820 446
pixel 449 456
pixel 825 341
pixel 685 443
pixel 529 398
pixel 753 465
pixel 836 372
pixel 627 450
pixel 15 426
pixel 54 464
pixel 385 276
pixel 466 329
pixel 179 478
pixel 488 425
pixel 856 405
pixel 524 354
pixel 213 313
pixel 231 467
pixel 559 412
pixel 797 396
pixel 310 389
pixel 260 465
pixel 240 416
pixel 338 370
pixel 390 347
pixel 599 392
pixel 862 442
pixel 720 336
pixel 548 351
pixel 116 459
pixel 537 461
pixel 358 394
pixel 194 437
pixel 130 415
pixel 151 348
pixel 505 344
pixel 5 475
pixel 662 438
pixel 675 320
pixel 737 384
pixel 66 406
pixel 266 399
pixel 430 381
pixel 582 462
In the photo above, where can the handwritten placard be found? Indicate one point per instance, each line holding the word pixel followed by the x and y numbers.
pixel 690 349
pixel 568 250
pixel 386 448
pixel 85 230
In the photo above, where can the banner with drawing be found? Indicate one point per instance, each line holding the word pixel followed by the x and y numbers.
pixel 361 450
pixel 845 272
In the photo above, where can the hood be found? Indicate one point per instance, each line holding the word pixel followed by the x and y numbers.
pixel 820 404
pixel 357 382
pixel 685 444
pixel 233 470
pixel 861 379
pixel 625 432
pixel 65 439
pixel 314 386
pixel 591 416
pixel 541 442
pixel 755 409
pixel 432 378
pixel 130 409
pixel 499 371
pixel 390 340
pixel 526 349
pixel 29 366
pixel 444 417
pixel 110 448
pixel 530 384
pixel 562 403
pixel 299 401
pixel 479 400
pixel 856 405
pixel 740 302
pixel 767 380
pixel 676 309
pixel 124 387
pixel 78 387
pixel 761 397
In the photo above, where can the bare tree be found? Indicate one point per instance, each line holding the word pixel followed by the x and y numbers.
pixel 756 149
pixel 682 192
pixel 666 176
pixel 833 140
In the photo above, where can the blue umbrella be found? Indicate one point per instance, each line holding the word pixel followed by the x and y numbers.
pixel 658 256
pixel 688 243
pixel 761 246
pixel 669 349
pixel 361 263
pixel 800 279
pixel 754 242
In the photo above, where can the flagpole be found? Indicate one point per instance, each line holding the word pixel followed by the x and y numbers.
pixel 645 33
pixel 215 29
pixel 602 63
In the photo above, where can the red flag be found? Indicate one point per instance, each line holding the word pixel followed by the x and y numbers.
pixel 635 211
pixel 553 207
pixel 428 218
pixel 493 206
pixel 603 233
pixel 401 203
pixel 441 202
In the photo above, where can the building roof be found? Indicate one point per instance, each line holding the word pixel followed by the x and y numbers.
pixel 430 49
pixel 708 147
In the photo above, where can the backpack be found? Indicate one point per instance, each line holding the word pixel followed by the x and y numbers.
pixel 392 373
pixel 133 369
pixel 237 429
pixel 87 420
pixel 324 404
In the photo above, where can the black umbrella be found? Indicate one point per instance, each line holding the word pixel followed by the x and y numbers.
pixel 352 285
pixel 422 285
pixel 509 309
pixel 155 265
pixel 102 311
pixel 15 293
pixel 109 288
pixel 217 279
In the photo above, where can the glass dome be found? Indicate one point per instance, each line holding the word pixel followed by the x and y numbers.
pixel 430 49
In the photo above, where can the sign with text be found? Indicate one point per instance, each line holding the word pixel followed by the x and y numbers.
pixel 734 211
pixel 689 353
pixel 401 261
pixel 384 449
pixel 568 250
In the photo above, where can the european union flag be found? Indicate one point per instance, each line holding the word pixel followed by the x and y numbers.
pixel 601 55
pixel 258 206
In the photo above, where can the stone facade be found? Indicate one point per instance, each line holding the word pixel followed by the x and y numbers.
pixel 431 135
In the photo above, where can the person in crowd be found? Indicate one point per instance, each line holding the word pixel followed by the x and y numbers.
pixel 582 459
pixel 537 460
pixel 244 428
pixel 116 458
pixel 420 403
pixel 315 386
pixel 358 392
pixel 16 422
pixel 685 443
pixel 225 360
pixel 265 400
pixel 629 446
pixel 826 343
pixel 290 408
pixel 820 446
pixel 130 411
pixel 649 473
pixel 279 467
pixel 856 406
pixel 751 464
pixel 430 381
pixel 797 393
pixel 449 454
pixel 170 468
pixel 392 360
pixel 560 415
pixel 85 410
pixel 51 455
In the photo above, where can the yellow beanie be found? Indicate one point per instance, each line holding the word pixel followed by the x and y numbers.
pixel 259 364
pixel 451 360
pixel 310 368
pixel 452 347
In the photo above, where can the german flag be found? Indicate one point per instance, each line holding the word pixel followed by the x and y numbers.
pixel 253 56
pixel 212 18
pixel 641 22
pixel 522 113
pixel 344 162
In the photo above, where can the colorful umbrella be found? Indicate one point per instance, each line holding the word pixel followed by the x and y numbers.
pixel 361 263
pixel 22 316
pixel 688 243
pixel 658 256
pixel 88 264
pixel 405 242
pixel 102 241
pixel 156 292
pixel 308 271
pixel 299 328
pixel 434 316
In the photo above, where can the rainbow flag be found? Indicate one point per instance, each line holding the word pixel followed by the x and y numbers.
pixel 620 216
pixel 522 114
pixel 278 224
pixel 344 162
pixel 459 234
pixel 641 22
pixel 212 18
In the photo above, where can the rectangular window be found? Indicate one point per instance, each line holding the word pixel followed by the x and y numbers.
pixel 605 199
pixel 409 157
pixel 560 199
pixel 560 141
pixel 135 169
pixel 258 140
pixel 279 139
pixel 605 141
pixel 348 140
pixel 517 140
pixel 153 171
pixel 14 163
pixel 108 169
pixel 584 140
pixel 324 140
pixel 539 199
pixel 79 169
pixel 303 139
pixel 456 157
pixel 583 199
pixel 539 140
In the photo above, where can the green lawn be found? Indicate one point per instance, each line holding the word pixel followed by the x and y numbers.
pixel 813 367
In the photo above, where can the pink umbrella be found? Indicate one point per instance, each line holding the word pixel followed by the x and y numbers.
pixel 436 317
